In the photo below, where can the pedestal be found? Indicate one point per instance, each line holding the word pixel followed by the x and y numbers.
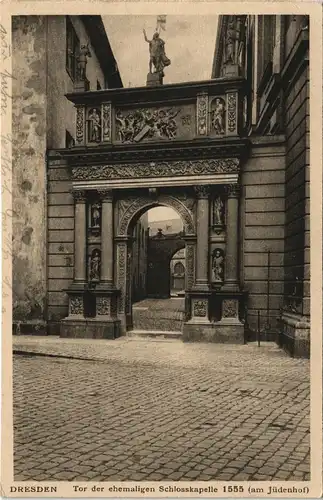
pixel 295 335
pixel 230 329
pixel 231 70
pixel 154 80
pixel 198 328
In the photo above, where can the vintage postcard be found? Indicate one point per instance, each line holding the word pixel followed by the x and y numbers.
pixel 161 249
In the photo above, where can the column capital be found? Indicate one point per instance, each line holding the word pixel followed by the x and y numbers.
pixel 232 190
pixel 105 194
pixel 79 195
pixel 202 191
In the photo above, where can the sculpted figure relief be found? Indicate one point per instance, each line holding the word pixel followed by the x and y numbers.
pixel 146 123
pixel 218 211
pixel 94 125
pixel 217 265
pixel 95 215
pixel 95 261
pixel 231 37
pixel 218 117
pixel 158 58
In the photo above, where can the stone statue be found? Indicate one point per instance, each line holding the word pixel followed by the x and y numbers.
pixel 95 215
pixel 217 211
pixel 95 261
pixel 94 126
pixel 218 117
pixel 82 61
pixel 217 265
pixel 231 37
pixel 158 58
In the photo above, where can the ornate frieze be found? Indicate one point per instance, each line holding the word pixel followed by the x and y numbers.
pixel 202 114
pixel 80 124
pixel 106 122
pixel 146 123
pixel 232 113
pixel 159 169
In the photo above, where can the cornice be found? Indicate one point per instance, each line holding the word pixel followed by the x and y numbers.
pixel 192 150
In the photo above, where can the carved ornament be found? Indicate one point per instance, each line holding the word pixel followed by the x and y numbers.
pixel 202 113
pixel 106 122
pixel 146 123
pixel 200 308
pixel 230 308
pixel 232 111
pixel 76 305
pixel 103 306
pixel 232 190
pixel 159 169
pixel 80 114
pixel 79 196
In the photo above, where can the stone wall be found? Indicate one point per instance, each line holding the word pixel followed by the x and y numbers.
pixel 60 258
pixel 29 105
pixel 262 229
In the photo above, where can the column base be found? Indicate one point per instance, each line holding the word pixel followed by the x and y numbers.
pixel 294 336
pixel 93 328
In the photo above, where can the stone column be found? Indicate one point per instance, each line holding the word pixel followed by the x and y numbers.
pixel 107 239
pixel 80 237
pixel 231 280
pixel 202 247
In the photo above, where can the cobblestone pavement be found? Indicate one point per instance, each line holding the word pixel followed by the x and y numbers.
pixel 137 409
pixel 159 314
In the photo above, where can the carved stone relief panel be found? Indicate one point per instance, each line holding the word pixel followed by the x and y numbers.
pixel 230 308
pixel 103 306
pixel 200 308
pixel 153 124
pixel 217 117
pixel 106 122
pixel 231 113
pixel 94 265
pixel 76 305
pixel 121 275
pixel 190 265
pixel 80 125
pixel 202 114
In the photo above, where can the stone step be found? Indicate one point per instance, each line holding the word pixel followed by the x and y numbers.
pixel 159 334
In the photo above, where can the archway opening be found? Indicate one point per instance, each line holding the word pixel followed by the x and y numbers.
pixel 157 235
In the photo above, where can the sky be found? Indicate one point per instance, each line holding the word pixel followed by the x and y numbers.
pixel 189 44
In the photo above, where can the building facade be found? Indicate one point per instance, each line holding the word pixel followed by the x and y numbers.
pixel 230 155
pixel 272 54
pixel 45 51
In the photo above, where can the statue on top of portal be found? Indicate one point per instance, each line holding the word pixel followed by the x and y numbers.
pixel 158 58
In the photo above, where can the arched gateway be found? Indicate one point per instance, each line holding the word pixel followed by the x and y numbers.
pixel 157 147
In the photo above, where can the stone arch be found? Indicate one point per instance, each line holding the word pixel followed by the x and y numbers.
pixel 130 213
pixel 141 204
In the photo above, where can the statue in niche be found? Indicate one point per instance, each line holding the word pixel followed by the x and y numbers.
pixel 82 61
pixel 94 126
pixel 96 215
pixel 158 58
pixel 95 263
pixel 218 212
pixel 217 265
pixel 218 117
pixel 231 37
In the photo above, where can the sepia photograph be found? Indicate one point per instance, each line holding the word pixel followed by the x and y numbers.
pixel 161 305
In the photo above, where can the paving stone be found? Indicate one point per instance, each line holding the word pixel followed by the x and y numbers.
pixel 169 426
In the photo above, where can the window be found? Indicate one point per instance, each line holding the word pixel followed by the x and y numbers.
pixel 72 49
